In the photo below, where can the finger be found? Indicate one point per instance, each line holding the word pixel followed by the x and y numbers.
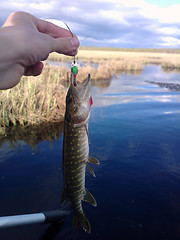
pixel 19 18
pixel 66 45
pixel 51 29
pixel 34 70
pixel 23 18
pixel 73 53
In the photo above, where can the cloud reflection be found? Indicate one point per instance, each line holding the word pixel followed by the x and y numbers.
pixel 128 88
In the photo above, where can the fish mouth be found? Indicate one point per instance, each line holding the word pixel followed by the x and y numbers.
pixel 79 101
pixel 84 87
pixel 80 90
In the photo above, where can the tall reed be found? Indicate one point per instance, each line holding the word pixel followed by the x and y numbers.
pixel 34 100
pixel 37 100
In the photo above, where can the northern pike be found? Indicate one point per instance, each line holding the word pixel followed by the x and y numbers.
pixel 76 151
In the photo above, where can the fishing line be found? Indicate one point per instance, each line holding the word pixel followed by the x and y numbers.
pixel 74 66
pixel 72 36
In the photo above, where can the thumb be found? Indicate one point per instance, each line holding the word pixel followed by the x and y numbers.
pixel 65 45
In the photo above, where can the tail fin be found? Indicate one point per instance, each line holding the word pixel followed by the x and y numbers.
pixel 81 220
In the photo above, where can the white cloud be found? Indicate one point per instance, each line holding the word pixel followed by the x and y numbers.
pixel 170 41
pixel 113 16
pixel 41 5
pixel 168 31
pixel 120 23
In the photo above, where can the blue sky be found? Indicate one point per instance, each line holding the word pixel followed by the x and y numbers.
pixel 163 3
pixel 113 23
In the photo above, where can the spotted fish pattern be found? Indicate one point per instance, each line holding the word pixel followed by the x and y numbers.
pixel 76 152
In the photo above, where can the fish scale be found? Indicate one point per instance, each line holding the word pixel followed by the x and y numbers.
pixel 76 151
pixel 73 162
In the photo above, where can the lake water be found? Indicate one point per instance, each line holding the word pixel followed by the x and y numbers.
pixel 135 133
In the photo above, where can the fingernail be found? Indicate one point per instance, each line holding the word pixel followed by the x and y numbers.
pixel 74 42
pixel 74 53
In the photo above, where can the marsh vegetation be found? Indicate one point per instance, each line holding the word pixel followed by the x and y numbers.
pixel 38 101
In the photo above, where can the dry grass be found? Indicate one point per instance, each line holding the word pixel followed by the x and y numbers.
pixel 42 99
pixel 34 100
pixel 115 62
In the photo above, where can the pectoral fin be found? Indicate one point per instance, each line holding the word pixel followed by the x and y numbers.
pixel 90 169
pixel 93 160
pixel 89 198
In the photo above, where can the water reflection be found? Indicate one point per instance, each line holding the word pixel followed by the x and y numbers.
pixel 101 84
pixel 68 64
pixel 170 86
pixel 127 88
pixel 32 134
pixel 135 131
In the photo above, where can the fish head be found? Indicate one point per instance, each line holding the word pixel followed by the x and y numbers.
pixel 78 102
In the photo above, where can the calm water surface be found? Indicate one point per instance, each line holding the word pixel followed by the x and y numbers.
pixel 135 133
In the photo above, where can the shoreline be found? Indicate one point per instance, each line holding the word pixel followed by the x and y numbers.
pixel 41 100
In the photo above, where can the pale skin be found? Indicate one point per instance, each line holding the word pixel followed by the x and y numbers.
pixel 25 41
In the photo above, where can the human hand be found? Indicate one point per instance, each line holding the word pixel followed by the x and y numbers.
pixel 25 41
